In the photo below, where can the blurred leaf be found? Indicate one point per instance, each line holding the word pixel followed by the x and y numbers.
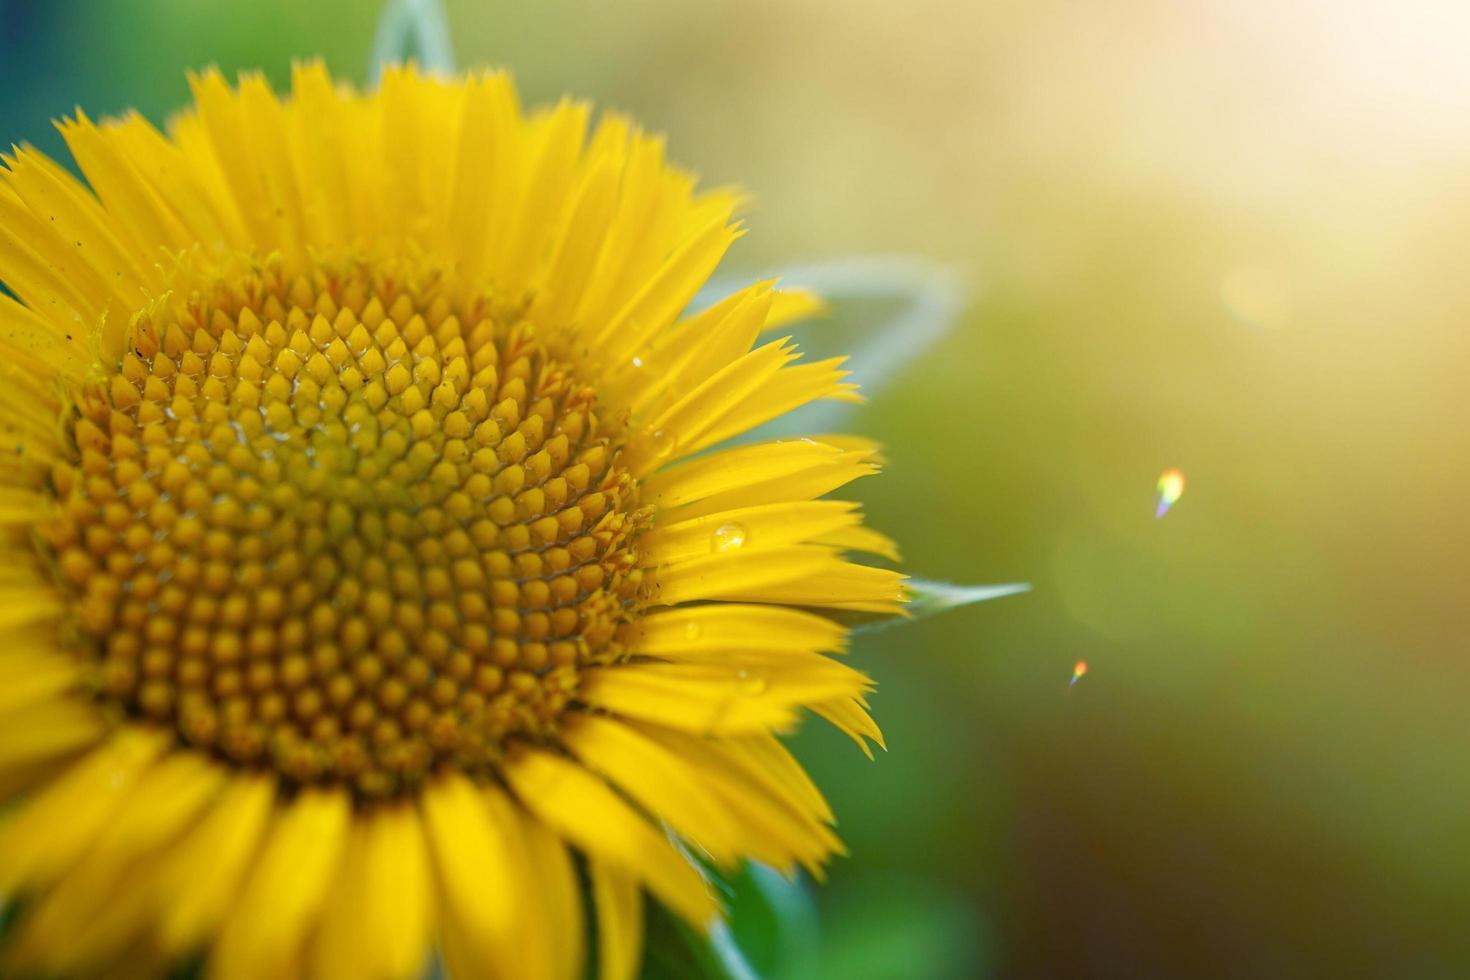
pixel 775 923
pixel 929 598
pixel 770 932
pixel 673 951
pixel 417 29
pixel 731 959
pixel 893 925
pixel 918 302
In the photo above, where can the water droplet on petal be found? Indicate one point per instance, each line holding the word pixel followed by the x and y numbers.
pixel 662 444
pixel 727 537
pixel 750 684
pixel 693 631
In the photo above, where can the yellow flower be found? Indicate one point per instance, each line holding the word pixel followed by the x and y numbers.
pixel 362 556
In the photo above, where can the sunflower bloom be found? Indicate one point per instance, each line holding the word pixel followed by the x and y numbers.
pixel 372 580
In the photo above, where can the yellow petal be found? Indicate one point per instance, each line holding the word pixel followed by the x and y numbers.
pixel 590 212
pixel 216 142
pixel 376 922
pixel 538 207
pixel 785 391
pixel 400 100
pixel 619 905
pixel 858 538
pixel 561 900
pixel 208 864
pixel 693 350
pixel 793 469
pixel 722 627
pixel 853 720
pixel 340 948
pixel 689 697
pixel 487 172
pixel 746 528
pixel 265 129
pixel 26 678
pixel 582 807
pixel 781 826
pixel 53 829
pixel 77 228
pixel 21 606
pixel 398 892
pixel 129 200
pixel 657 779
pixel 40 733
pixel 165 800
pixel 799 575
pixel 668 291
pixel 41 340
pixel 52 282
pixel 688 420
pixel 794 306
pixel 653 197
pixel 285 890
pixel 317 119
pixel 473 843
pixel 768 754
pixel 193 195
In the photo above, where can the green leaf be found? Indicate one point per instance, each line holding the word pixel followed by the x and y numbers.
pixel 417 29
pixel 929 598
pixel 774 921
pixel 674 951
pixel 770 932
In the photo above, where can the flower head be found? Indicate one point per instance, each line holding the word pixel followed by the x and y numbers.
pixel 363 560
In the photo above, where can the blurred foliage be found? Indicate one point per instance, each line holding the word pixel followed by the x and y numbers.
pixel 1223 236
pixel 772 933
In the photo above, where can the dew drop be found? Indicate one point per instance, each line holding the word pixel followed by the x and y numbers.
pixel 662 444
pixel 692 631
pixel 727 537
pixel 750 684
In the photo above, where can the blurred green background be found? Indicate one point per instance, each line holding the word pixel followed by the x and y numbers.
pixel 1227 236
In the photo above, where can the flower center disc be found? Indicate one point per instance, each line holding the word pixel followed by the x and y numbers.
pixel 344 528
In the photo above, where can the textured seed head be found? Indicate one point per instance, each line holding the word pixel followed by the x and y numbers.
pixel 344 529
